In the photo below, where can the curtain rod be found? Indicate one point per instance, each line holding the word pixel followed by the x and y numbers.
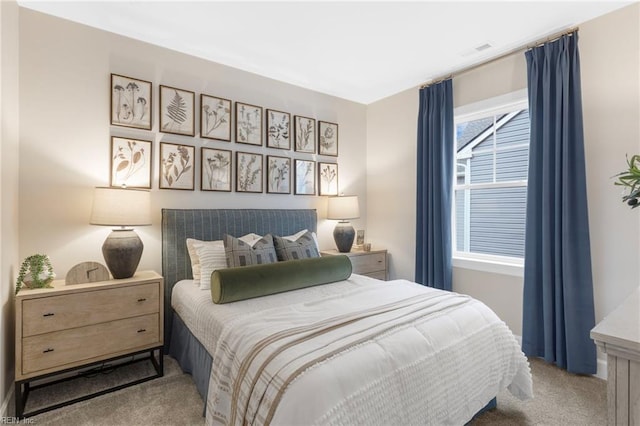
pixel 540 42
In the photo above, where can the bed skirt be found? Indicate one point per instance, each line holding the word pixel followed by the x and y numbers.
pixel 194 359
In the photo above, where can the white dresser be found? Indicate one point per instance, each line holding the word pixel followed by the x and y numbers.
pixel 618 335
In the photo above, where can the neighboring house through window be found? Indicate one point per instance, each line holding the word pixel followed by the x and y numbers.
pixel 490 183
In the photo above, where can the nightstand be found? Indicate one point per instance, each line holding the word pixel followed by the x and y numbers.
pixel 370 263
pixel 69 327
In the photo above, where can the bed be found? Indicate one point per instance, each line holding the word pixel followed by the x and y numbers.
pixel 350 352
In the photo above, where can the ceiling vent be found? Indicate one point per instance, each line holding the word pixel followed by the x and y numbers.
pixel 483 47
pixel 477 49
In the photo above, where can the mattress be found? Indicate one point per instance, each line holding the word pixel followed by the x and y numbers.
pixel 404 354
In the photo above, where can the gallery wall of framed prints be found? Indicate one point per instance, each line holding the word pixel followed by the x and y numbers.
pixel 295 155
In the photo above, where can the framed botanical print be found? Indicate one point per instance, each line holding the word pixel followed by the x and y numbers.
pixel 278 175
pixel 248 172
pixel 177 169
pixel 215 118
pixel 327 179
pixel 278 129
pixel 304 134
pixel 177 111
pixel 327 138
pixel 130 102
pixel 305 177
pixel 215 170
pixel 248 124
pixel 131 162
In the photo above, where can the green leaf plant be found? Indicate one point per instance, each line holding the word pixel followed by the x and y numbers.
pixel 35 265
pixel 630 179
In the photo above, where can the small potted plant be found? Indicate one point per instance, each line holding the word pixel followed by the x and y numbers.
pixel 630 179
pixel 35 272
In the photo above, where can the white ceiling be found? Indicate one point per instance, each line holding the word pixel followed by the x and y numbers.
pixel 361 51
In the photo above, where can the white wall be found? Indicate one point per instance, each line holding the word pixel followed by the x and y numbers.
pixel 610 61
pixel 65 135
pixel 391 179
pixel 8 191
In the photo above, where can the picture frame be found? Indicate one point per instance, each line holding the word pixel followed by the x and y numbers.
pixel 278 175
pixel 177 107
pixel 177 169
pixel 327 179
pixel 248 172
pixel 327 138
pixel 304 134
pixel 305 177
pixel 360 237
pixel 130 162
pixel 248 124
pixel 215 118
pixel 215 169
pixel 131 102
pixel 278 129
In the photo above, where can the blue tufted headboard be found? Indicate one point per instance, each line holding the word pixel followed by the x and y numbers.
pixel 211 224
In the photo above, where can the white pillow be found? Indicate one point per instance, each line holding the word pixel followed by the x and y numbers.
pixel 299 234
pixel 195 261
pixel 212 256
pixel 206 256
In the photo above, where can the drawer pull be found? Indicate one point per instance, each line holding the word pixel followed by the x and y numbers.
pixel 47 350
pixel 142 300
pixel 48 314
pixel 142 330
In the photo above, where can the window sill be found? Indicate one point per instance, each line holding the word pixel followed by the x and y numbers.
pixel 515 269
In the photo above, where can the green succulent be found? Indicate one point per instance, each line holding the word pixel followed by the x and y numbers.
pixel 35 265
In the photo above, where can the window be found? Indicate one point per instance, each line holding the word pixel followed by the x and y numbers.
pixel 490 182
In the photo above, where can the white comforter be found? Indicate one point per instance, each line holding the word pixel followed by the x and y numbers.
pixel 361 351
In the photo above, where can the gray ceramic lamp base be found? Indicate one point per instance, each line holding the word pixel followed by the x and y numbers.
pixel 343 235
pixel 122 251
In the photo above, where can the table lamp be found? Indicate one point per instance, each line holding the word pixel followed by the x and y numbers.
pixel 342 209
pixel 124 208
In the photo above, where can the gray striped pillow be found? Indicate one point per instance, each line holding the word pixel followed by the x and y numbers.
pixel 303 247
pixel 239 253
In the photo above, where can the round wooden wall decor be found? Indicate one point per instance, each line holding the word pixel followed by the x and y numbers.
pixel 87 272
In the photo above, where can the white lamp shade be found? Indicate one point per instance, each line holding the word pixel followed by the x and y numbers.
pixel 121 207
pixel 343 208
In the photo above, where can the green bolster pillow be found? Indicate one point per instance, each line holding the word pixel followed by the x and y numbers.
pixel 247 282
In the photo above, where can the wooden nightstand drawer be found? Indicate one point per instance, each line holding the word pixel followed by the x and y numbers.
pixel 368 263
pixel 92 307
pixel 84 343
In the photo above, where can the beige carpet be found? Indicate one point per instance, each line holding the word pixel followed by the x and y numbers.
pixel 560 399
pixel 169 400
